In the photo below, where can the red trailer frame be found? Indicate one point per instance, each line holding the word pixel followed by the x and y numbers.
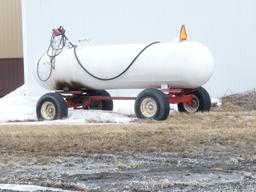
pixel 149 104
pixel 81 99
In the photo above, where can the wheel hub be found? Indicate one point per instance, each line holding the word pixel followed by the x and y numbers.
pixel 48 110
pixel 148 107
pixel 192 108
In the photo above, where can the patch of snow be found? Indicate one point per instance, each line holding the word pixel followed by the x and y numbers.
pixel 97 116
pixel 31 188
pixel 216 101
pixel 124 107
pixel 17 107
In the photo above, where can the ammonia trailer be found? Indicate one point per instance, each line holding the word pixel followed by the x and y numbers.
pixel 80 74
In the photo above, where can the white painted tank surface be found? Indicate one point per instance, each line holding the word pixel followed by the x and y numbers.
pixel 178 65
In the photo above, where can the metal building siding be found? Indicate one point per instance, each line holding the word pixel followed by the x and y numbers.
pixel 11 75
pixel 11 54
pixel 10 29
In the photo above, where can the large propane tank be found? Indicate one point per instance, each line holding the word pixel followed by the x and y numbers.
pixel 177 65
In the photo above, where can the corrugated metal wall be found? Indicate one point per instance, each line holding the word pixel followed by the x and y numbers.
pixel 10 29
pixel 11 75
pixel 11 54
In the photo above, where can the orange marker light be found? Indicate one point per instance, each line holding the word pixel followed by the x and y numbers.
pixel 183 33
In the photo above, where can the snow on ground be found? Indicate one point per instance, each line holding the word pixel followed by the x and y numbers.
pixel 216 102
pixel 17 107
pixel 31 188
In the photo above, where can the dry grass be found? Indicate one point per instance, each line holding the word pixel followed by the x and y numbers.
pixel 239 102
pixel 205 132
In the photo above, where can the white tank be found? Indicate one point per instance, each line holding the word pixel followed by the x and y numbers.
pixel 178 65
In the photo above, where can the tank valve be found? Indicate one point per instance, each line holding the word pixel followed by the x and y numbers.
pixel 58 31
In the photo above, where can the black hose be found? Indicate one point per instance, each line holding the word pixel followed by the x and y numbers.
pixel 37 70
pixel 56 51
pixel 115 77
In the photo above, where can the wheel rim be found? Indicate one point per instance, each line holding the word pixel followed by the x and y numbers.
pixel 148 107
pixel 194 107
pixel 48 110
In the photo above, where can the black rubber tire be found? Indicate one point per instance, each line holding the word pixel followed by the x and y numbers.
pixel 58 102
pixel 204 101
pixel 163 107
pixel 106 105
pixel 181 107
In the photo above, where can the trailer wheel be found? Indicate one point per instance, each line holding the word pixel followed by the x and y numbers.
pixel 152 104
pixel 51 106
pixel 106 105
pixel 201 102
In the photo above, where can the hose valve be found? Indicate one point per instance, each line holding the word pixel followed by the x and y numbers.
pixel 58 31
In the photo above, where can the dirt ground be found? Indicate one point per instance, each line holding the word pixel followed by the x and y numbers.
pixel 213 151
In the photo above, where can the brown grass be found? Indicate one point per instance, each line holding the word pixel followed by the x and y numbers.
pixel 203 132
pixel 239 102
